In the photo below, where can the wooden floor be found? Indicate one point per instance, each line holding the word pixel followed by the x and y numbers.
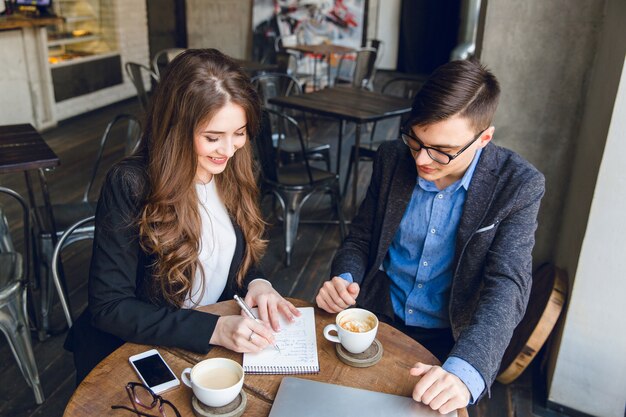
pixel 75 141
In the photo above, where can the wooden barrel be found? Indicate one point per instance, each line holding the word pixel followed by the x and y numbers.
pixel 547 296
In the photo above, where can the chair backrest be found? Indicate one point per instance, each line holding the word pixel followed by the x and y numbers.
pixel 379 46
pixel 124 127
pixel 287 62
pixel 164 57
pixel 6 241
pixel 359 66
pixel 64 241
pixel 277 127
pixel 405 87
pixel 136 73
pixel 274 84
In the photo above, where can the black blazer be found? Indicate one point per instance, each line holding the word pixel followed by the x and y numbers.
pixel 120 308
pixel 492 263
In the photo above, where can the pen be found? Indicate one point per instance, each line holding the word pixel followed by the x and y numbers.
pixel 249 313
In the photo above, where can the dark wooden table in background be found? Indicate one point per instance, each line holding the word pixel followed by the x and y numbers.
pixel 348 104
pixel 22 149
pixel 104 386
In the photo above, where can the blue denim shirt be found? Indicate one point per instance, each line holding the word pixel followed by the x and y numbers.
pixel 420 263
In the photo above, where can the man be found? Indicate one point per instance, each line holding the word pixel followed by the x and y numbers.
pixel 441 246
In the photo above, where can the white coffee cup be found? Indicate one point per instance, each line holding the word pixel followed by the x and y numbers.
pixel 215 382
pixel 356 329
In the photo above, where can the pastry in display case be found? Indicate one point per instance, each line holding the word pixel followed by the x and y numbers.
pixel 81 35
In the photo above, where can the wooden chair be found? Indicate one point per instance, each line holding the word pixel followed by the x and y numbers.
pixel 122 128
pixel 136 73
pixel 14 275
pixel 294 183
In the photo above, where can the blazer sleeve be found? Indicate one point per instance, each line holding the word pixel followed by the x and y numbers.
pixel 506 281
pixel 116 272
pixel 354 253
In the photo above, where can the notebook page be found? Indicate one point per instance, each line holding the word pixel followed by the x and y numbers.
pixel 298 348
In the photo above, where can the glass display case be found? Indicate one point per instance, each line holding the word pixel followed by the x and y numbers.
pixel 81 35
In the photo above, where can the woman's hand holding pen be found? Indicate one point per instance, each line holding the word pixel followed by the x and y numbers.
pixel 242 334
pixel 261 294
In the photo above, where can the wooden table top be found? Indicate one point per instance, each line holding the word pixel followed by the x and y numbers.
pixel 351 104
pixel 18 21
pixel 22 148
pixel 104 386
pixel 321 49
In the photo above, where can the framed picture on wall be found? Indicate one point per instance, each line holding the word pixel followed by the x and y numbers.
pixel 278 23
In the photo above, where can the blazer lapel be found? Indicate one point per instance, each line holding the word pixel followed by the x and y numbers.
pixel 479 197
pixel 402 183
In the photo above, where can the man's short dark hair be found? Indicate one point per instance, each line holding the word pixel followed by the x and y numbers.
pixel 465 88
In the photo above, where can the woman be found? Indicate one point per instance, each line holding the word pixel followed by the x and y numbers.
pixel 178 225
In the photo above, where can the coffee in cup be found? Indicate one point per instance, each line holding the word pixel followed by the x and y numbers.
pixel 356 329
pixel 215 382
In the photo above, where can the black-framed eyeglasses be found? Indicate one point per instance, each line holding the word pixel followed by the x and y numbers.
pixel 142 396
pixel 415 144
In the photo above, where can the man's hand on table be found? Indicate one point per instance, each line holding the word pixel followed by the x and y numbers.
pixel 337 294
pixel 439 389
pixel 270 303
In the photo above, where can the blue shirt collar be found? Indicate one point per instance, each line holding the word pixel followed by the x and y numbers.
pixel 463 182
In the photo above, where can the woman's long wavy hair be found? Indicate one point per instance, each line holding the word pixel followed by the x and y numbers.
pixel 195 86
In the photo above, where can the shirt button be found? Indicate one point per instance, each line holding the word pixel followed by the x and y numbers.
pixel 419 285
pixel 432 231
pixel 425 263
pixel 440 196
pixel 410 311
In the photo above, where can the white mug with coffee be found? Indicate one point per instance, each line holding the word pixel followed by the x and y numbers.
pixel 356 329
pixel 215 382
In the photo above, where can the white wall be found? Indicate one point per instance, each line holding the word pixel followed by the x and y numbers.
pixel 587 369
pixel 590 372
pixel 388 31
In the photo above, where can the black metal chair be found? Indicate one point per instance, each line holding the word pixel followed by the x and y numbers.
pixel 294 183
pixel 124 128
pixel 357 69
pixel 162 58
pixel 288 61
pixel 277 84
pixel 136 73
pixel 14 275
pixel 405 87
pixel 75 233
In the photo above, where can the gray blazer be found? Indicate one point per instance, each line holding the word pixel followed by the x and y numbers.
pixel 492 263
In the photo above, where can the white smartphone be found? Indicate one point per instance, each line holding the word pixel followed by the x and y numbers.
pixel 153 371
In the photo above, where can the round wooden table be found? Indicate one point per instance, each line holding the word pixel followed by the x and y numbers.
pixel 104 386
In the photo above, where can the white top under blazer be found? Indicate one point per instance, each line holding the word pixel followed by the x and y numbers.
pixel 217 248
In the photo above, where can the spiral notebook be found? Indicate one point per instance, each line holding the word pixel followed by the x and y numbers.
pixel 298 349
